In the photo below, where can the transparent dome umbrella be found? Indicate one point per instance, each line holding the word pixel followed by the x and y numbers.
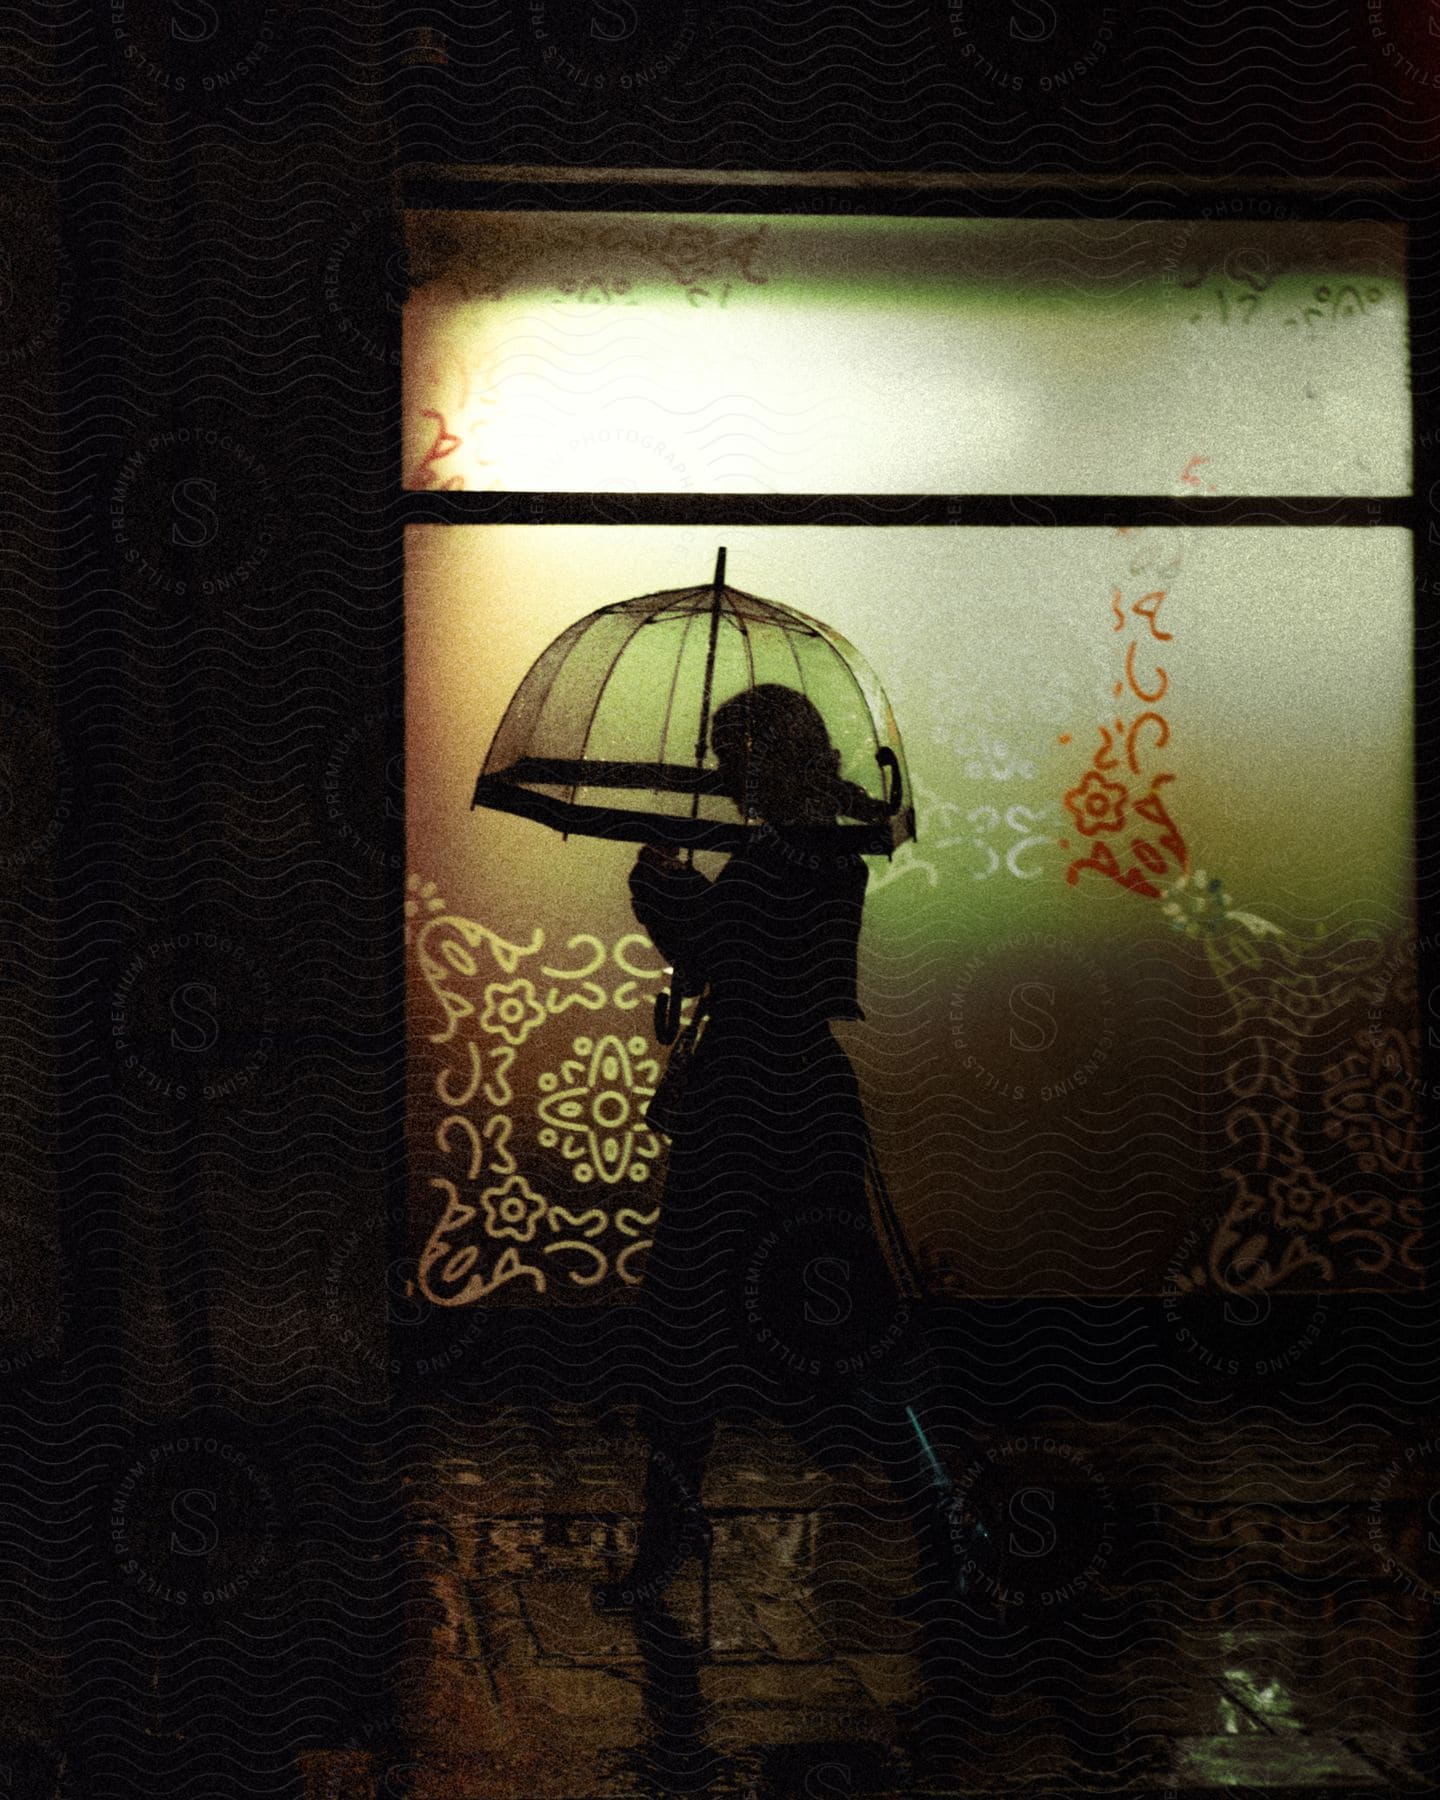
pixel 608 734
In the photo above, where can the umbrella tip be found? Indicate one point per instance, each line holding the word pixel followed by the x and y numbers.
pixel 720 567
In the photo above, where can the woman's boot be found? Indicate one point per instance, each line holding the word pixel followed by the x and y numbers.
pixel 673 1529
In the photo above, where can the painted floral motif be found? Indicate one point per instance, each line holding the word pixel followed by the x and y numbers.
pixel 1097 804
pixel 1301 1201
pixel 422 899
pixel 1370 1102
pixel 492 998
pixel 1194 903
pixel 511 1010
pixel 594 1109
pixel 514 1210
pixel 1352 1215
pixel 1199 904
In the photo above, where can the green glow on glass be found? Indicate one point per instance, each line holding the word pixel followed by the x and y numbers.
pixel 993 355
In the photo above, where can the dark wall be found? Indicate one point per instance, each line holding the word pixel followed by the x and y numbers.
pixel 202 637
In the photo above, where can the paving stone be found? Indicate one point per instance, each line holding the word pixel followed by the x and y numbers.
pixel 788 1687
pixel 1255 1651
pixel 889 1680
pixel 1261 1759
pixel 564 1628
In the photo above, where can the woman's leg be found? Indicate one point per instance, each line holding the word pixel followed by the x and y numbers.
pixel 889 1427
pixel 960 1647
pixel 674 1475
pixel 673 1525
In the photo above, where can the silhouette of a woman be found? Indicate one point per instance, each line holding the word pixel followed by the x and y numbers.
pixel 770 1138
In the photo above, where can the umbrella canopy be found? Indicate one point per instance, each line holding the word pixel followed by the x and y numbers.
pixel 608 734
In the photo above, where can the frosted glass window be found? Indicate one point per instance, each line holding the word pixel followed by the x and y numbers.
pixel 671 353
pixel 1082 1078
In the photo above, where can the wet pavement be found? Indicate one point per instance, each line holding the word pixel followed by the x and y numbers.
pixel 1239 1637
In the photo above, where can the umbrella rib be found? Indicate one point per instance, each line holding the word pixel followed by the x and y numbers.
pixel 739 618
pixel 599 696
pixel 675 681
pixel 676 598
pixel 513 705
pixel 855 682
pixel 795 658
pixel 749 664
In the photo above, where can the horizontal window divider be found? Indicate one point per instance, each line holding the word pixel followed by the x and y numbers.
pixel 1044 510
pixel 993 194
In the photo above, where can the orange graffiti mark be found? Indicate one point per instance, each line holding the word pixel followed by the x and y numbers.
pixel 1102 860
pixel 446 444
pixel 1139 692
pixel 1146 611
pixel 1148 855
pixel 1188 475
pixel 1102 759
pixel 1160 742
pixel 1096 804
pixel 1152 807
pixel 1099 805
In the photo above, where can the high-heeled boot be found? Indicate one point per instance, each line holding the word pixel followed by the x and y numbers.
pixel 956 1554
pixel 673 1530
pixel 960 1646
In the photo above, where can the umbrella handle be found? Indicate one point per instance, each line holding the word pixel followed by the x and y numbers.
pixel 887 759
pixel 667 1013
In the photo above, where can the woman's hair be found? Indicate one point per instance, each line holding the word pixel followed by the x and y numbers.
pixel 791 771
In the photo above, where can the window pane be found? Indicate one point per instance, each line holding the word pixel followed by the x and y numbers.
pixel 708 354
pixel 1077 1085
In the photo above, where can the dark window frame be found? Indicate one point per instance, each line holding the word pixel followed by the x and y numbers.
pixel 494 188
